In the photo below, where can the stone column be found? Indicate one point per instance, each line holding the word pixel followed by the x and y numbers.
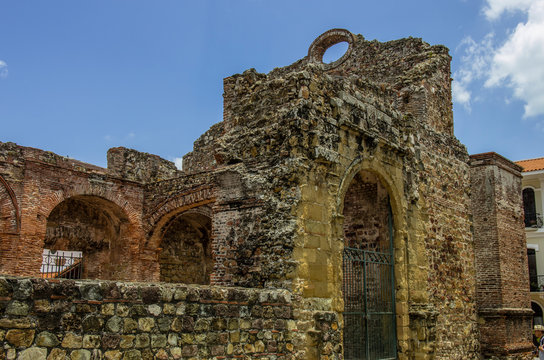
pixel 502 278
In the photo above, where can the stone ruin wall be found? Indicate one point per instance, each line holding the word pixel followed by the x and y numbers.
pixel 140 167
pixel 273 175
pixel 327 124
pixel 40 182
pixel 111 320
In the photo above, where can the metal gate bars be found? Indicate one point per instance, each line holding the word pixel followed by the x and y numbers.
pixel 369 304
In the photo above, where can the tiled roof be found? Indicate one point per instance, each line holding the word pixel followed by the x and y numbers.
pixel 531 164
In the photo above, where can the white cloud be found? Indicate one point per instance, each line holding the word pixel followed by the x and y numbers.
pixel 495 8
pixel 474 66
pixel 518 63
pixel 461 94
pixel 179 163
pixel 3 70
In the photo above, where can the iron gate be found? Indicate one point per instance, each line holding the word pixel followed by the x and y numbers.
pixel 369 304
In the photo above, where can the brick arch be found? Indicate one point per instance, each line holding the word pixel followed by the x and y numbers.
pixel 52 200
pixel 184 246
pixel 100 229
pixel 132 228
pixel 162 213
pixel 156 230
pixel 9 209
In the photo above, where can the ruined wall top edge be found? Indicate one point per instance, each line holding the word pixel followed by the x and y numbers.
pixel 369 59
pixel 127 164
pixel 492 158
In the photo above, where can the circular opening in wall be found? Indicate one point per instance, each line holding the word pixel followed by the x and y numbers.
pixel 335 52
pixel 331 48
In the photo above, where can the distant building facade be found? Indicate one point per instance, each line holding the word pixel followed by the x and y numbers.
pixel 533 206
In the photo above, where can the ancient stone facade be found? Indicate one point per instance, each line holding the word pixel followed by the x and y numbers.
pixel 310 161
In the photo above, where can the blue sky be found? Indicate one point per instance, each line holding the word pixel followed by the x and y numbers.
pixel 77 78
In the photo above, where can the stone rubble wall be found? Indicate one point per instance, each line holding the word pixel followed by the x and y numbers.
pixel 61 319
pixel 138 166
pixel 203 160
pixel 440 167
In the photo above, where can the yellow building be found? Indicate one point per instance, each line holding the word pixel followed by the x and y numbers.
pixel 533 204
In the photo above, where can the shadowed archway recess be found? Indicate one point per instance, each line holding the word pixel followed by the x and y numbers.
pixel 94 227
pixel 368 270
pixel 185 254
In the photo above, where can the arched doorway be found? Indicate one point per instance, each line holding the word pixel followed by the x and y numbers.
pixel 186 255
pixel 537 316
pixel 368 271
pixel 85 238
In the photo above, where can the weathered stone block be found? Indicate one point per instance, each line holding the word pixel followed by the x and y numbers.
pixel 91 292
pixel 113 355
pixel 132 355
pixel 80 355
pixel 175 352
pixel 46 339
pixel 114 324
pixel 146 324
pixel 189 350
pixel 122 310
pixel 141 341
pixel 57 354
pixel 154 310
pixel 127 341
pixel 129 325
pixel 17 308
pixel 72 341
pixel 92 323
pixel 20 338
pixel 18 323
pixel 110 341
pixel 91 341
pixel 33 353
pixel 23 290
pixel 158 341
pixel 42 306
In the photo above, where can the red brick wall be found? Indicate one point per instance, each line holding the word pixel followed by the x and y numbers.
pixel 43 180
pixel 366 210
pixel 501 256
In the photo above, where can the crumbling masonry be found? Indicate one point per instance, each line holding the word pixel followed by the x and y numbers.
pixel 331 214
